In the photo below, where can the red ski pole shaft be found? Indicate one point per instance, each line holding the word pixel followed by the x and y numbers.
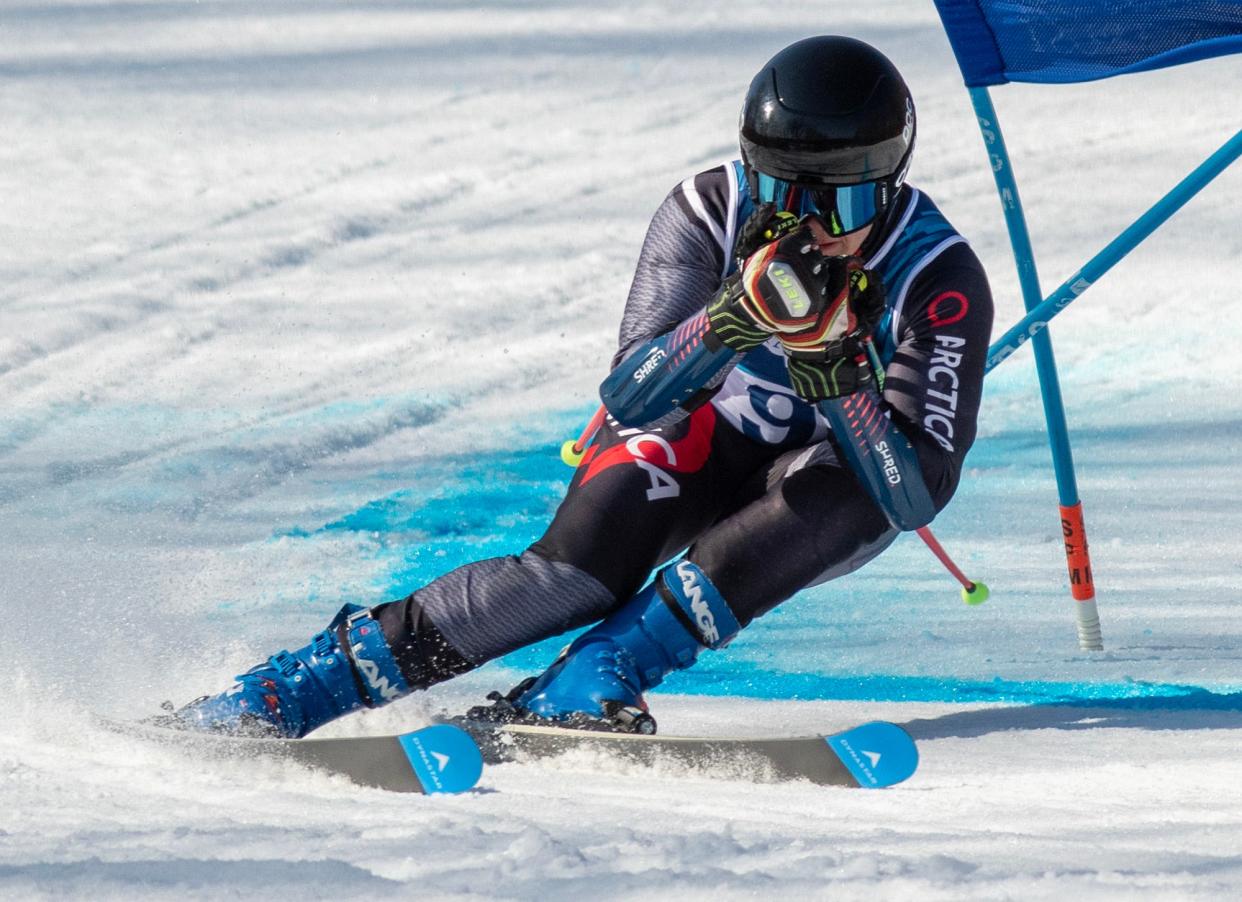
pixel 972 592
pixel 592 427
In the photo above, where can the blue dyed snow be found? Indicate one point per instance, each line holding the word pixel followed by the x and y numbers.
pixel 463 507
pixel 896 688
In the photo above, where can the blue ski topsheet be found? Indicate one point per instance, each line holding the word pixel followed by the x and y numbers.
pixel 877 754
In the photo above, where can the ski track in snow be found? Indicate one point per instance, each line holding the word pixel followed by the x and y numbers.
pixel 297 302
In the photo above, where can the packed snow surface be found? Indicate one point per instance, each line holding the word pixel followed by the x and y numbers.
pixel 298 300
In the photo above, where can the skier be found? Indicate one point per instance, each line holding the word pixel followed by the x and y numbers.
pixel 799 371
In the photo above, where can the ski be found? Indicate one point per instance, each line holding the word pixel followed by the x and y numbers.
pixel 871 756
pixel 436 759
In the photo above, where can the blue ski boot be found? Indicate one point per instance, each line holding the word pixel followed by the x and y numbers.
pixel 599 680
pixel 291 694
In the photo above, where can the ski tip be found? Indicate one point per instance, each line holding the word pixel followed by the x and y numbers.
pixel 877 754
pixel 444 758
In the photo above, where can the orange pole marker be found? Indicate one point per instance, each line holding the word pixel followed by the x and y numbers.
pixel 1082 583
pixel 1082 587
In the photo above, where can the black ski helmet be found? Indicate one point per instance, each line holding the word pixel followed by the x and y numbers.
pixel 829 111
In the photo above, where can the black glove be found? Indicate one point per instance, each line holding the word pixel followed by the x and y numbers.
pixel 764 226
pixel 731 323
pixel 839 364
pixel 789 289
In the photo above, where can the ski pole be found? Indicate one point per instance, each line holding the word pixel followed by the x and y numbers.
pixel 973 592
pixel 572 451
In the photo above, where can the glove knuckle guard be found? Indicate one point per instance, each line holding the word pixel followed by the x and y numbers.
pixel 821 308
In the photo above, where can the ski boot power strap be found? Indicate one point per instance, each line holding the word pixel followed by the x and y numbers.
pixel 598 682
pixel 376 667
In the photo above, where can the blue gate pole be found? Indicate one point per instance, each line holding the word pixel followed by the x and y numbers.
pixel 1091 271
pixel 1082 586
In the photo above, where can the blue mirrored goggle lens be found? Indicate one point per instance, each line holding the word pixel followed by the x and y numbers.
pixel 779 192
pixel 855 205
pixel 845 208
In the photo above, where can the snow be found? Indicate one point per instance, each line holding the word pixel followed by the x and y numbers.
pixel 298 301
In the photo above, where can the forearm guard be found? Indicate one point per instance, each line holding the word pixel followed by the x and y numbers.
pixel 669 373
pixel 881 456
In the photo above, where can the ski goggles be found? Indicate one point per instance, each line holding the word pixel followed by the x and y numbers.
pixel 843 208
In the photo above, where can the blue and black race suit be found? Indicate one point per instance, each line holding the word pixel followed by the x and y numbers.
pixel 749 485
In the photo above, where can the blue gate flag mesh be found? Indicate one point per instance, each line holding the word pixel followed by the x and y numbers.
pixel 1059 41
